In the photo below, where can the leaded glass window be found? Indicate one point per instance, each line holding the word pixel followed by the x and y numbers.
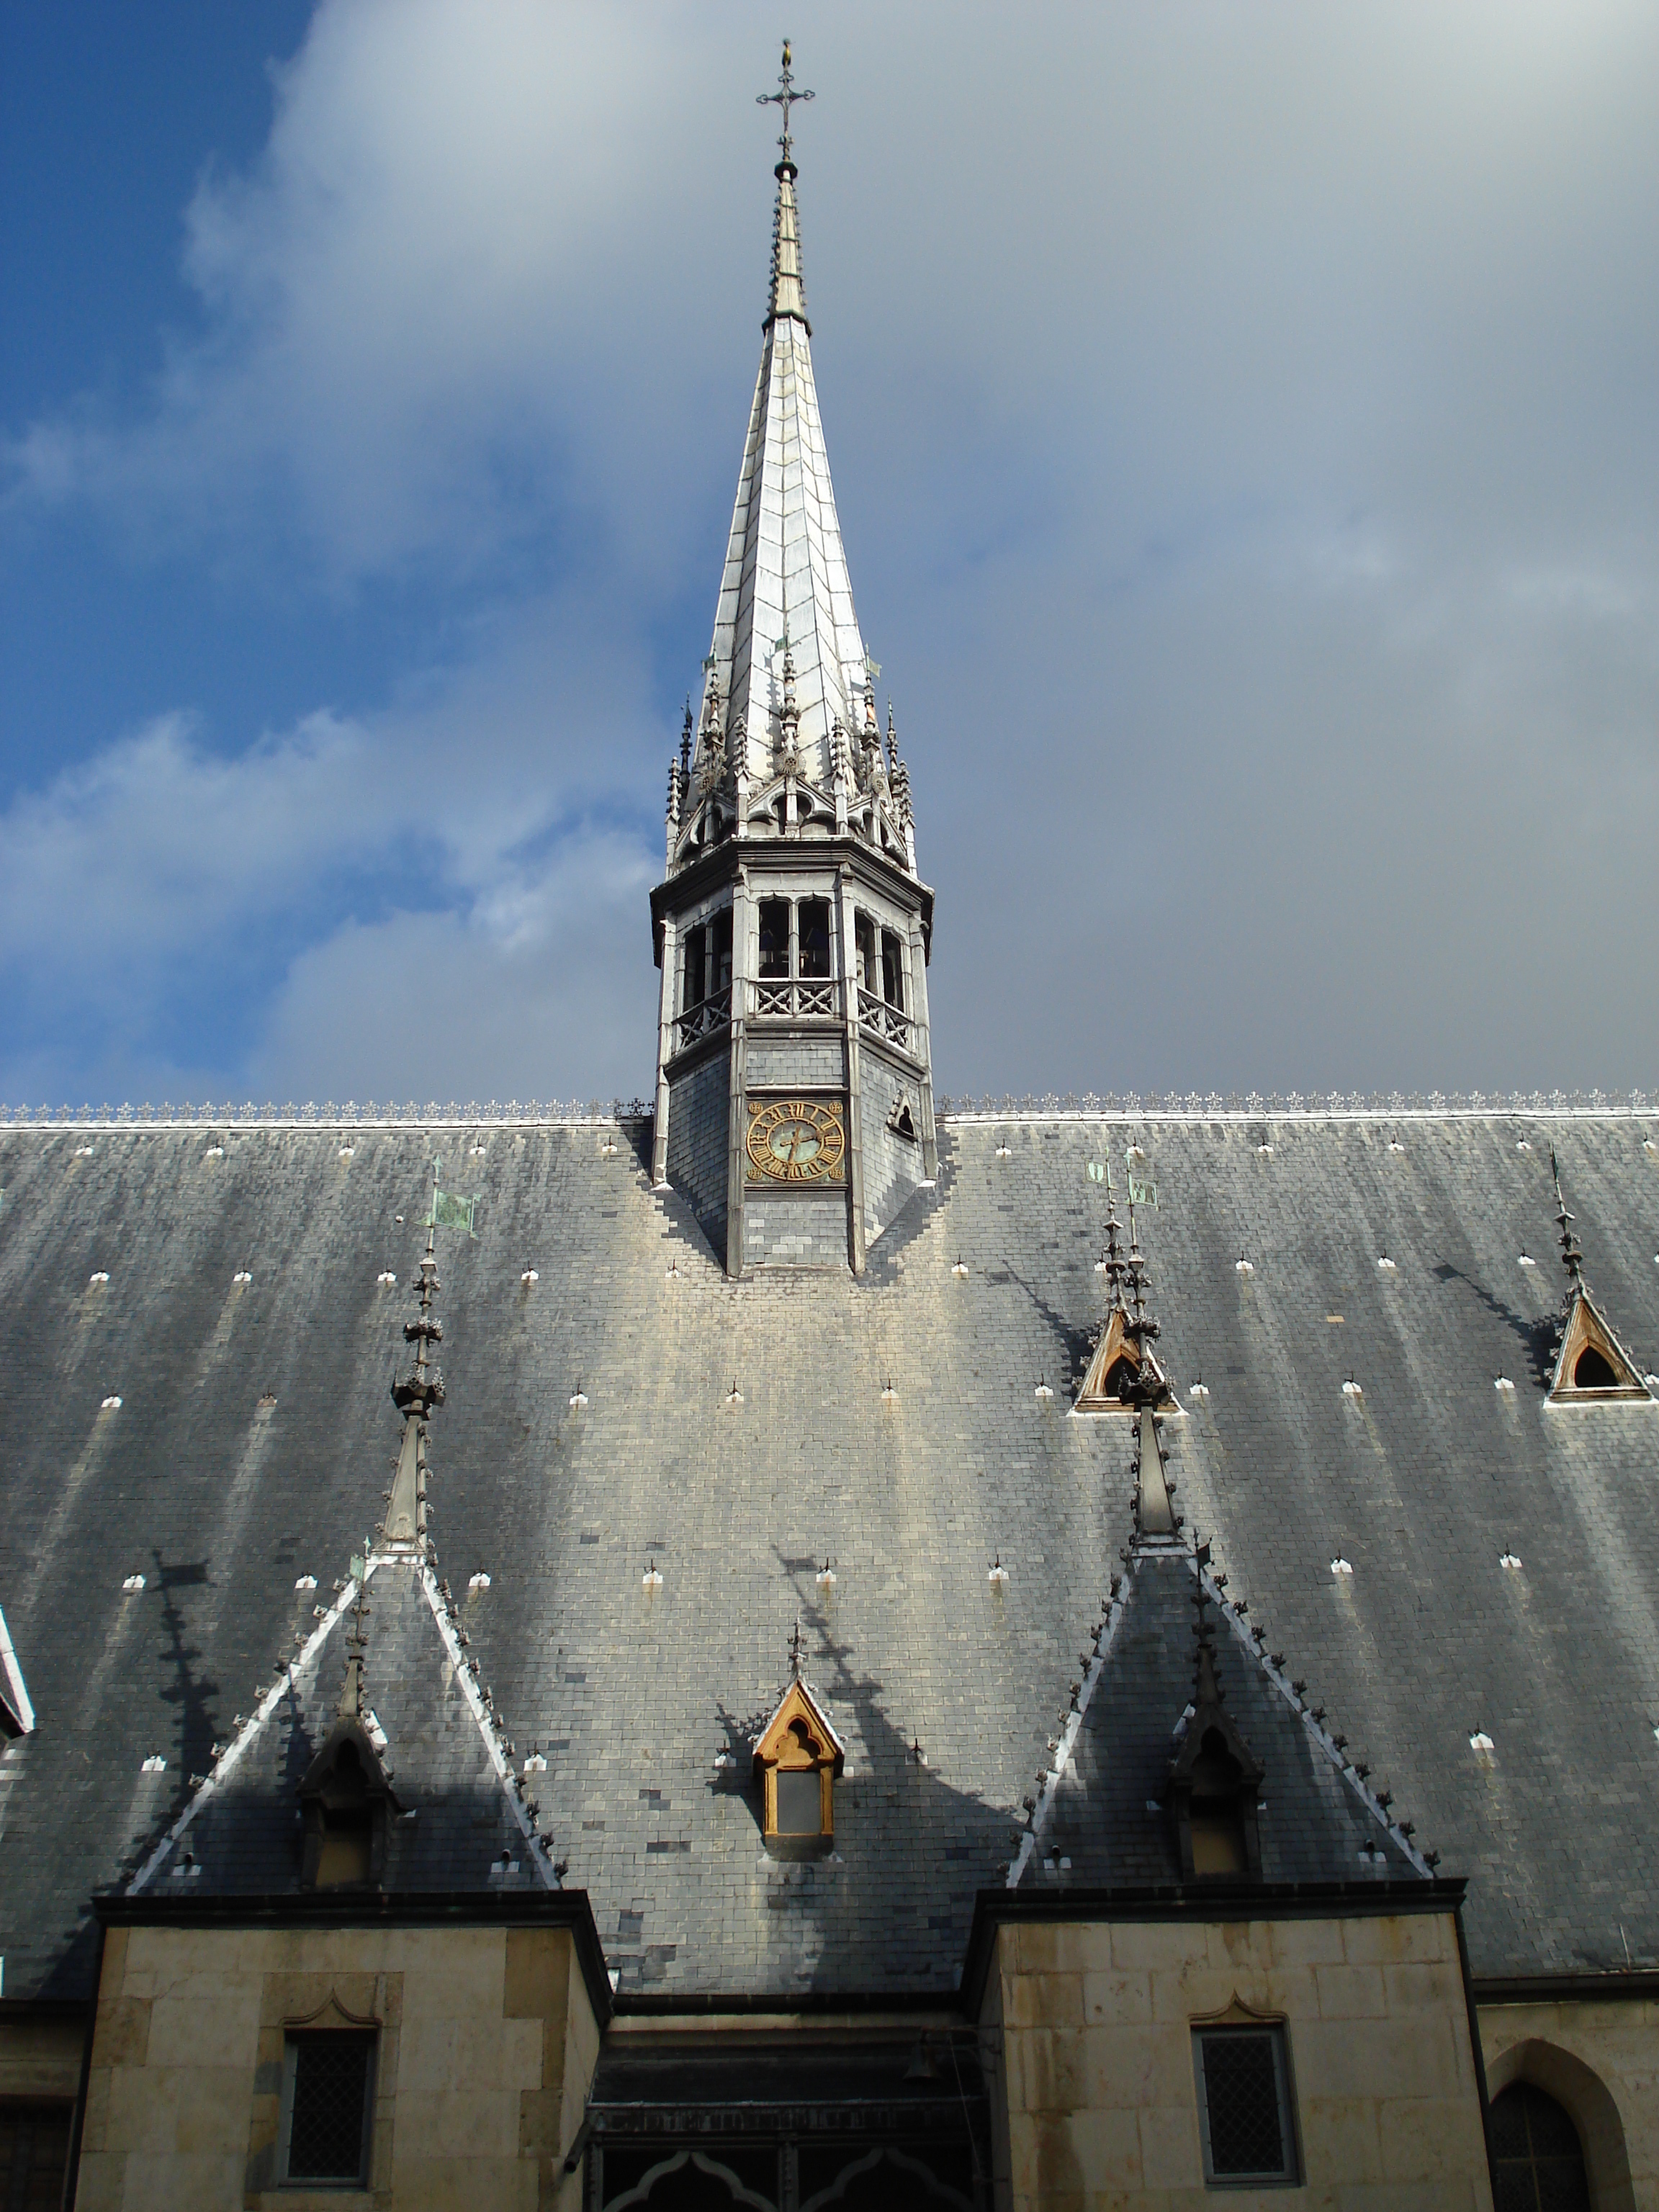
pixel 328 2080
pixel 1244 2105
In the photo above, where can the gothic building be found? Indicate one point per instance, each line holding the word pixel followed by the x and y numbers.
pixel 1037 1656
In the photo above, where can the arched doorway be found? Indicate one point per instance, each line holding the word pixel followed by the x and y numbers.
pixel 1537 2158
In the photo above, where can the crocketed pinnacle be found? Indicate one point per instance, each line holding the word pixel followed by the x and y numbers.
pixel 786 570
pixel 414 1395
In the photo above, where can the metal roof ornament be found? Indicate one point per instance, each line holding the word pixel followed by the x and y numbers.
pixel 785 97
pixel 1572 1258
pixel 351 1690
pixel 416 1394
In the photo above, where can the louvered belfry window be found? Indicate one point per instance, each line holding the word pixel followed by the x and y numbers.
pixel 329 2078
pixel 1244 2105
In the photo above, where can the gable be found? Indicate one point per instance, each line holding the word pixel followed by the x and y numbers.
pixel 1592 1364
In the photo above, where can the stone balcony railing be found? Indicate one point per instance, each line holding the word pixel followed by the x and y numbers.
pixel 789 1001
pixel 887 1021
pixel 702 1020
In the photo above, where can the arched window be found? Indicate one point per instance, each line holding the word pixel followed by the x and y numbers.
pixel 1593 1371
pixel 796 1762
pixel 1538 2159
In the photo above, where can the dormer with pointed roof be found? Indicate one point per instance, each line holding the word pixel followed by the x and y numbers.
pixel 794 1102
pixel 346 1795
pixel 1591 1366
pixel 1123 1373
pixel 301 1796
pixel 798 1756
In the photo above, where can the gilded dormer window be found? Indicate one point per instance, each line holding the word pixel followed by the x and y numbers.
pixel 796 1762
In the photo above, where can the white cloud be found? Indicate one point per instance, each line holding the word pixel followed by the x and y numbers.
pixel 1245 435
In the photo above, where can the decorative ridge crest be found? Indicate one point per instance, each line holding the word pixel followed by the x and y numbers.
pixel 1032 1106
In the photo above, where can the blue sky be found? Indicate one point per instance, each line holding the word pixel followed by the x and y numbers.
pixel 1244 432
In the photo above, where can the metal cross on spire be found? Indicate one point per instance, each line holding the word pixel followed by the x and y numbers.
pixel 786 97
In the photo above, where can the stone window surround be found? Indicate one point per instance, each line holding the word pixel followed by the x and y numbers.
pixel 291 2001
pixel 1238 2017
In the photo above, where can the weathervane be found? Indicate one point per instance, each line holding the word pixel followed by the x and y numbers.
pixel 784 97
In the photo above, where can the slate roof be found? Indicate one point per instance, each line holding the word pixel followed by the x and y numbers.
pixel 459 1829
pixel 1107 1826
pixel 253 1436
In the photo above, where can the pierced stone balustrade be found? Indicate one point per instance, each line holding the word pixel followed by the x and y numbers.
pixel 886 1021
pixel 702 1020
pixel 783 1001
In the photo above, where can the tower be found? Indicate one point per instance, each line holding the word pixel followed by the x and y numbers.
pixel 794 1101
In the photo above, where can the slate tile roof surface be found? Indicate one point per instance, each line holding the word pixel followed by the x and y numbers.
pixel 245 1837
pixel 1108 1818
pixel 254 1439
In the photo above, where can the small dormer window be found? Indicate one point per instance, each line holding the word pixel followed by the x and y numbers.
pixel 1216 1826
pixel 1213 1782
pixel 1591 1365
pixel 345 1855
pixel 796 1762
pixel 345 1799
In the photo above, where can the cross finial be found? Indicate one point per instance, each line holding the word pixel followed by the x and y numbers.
pixel 785 97
pixel 795 1640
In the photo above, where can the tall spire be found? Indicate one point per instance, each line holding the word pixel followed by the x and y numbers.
pixel 786 570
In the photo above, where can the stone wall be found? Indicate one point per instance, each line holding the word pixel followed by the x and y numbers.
pixel 699 1143
pixel 487 2045
pixel 1599 2059
pixel 1097 2085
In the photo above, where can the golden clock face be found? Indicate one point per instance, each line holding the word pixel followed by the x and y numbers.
pixel 796 1140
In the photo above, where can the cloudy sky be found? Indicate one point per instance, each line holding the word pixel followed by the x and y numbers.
pixel 1245 426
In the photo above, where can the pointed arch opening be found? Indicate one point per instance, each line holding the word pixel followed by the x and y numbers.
pixel 1523 2132
pixel 1592 1366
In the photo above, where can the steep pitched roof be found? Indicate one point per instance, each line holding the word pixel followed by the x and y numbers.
pixel 457 1811
pixel 1498 1585
pixel 410 1694
pixel 1106 1818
